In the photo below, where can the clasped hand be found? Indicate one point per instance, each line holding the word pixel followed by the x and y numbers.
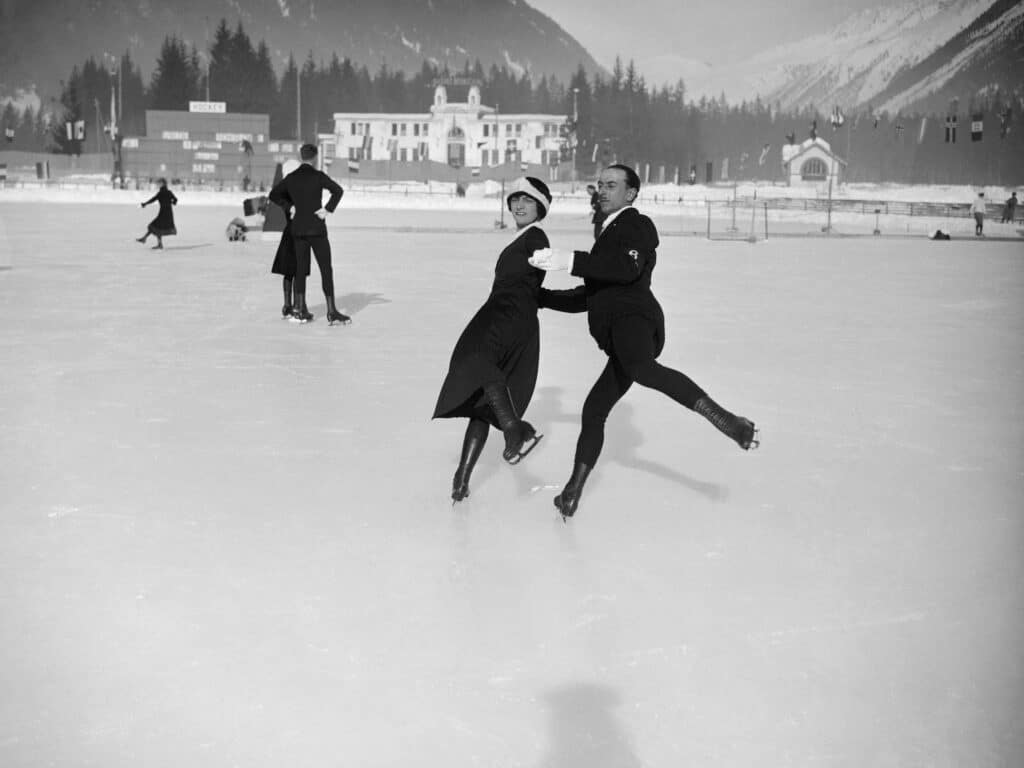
pixel 551 259
pixel 322 214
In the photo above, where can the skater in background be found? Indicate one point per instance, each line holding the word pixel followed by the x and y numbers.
pixel 303 190
pixel 493 368
pixel 1009 208
pixel 978 209
pixel 595 205
pixel 163 225
pixel 627 323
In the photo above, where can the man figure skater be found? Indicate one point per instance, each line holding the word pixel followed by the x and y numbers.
pixel 627 323
pixel 303 190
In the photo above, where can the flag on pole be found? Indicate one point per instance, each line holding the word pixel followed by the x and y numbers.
pixel 837 118
pixel 353 166
pixel 977 125
pixel 764 153
pixel 951 122
pixel 9 134
pixel 80 130
pixel 920 133
pixel 474 171
pixel 814 129
pixel 69 130
pixel 524 166
pixel 593 155
pixel 1004 122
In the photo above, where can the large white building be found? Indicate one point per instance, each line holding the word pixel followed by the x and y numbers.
pixel 457 134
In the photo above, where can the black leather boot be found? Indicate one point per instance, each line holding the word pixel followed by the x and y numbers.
pixel 732 426
pixel 569 499
pixel 288 308
pixel 472 445
pixel 520 436
pixel 301 313
pixel 333 315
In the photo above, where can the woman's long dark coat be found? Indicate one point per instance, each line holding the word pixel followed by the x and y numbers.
pixel 502 341
pixel 163 224
pixel 285 262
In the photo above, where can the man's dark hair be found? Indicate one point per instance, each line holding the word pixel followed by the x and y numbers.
pixel 632 180
pixel 307 151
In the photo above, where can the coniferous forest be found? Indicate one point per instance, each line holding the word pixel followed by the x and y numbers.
pixel 618 116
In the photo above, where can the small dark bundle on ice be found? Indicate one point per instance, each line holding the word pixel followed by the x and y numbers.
pixel 940 235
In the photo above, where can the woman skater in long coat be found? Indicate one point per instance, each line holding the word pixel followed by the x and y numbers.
pixel 163 224
pixel 286 264
pixel 493 369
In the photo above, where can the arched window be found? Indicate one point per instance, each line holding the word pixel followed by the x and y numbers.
pixel 456 147
pixel 814 170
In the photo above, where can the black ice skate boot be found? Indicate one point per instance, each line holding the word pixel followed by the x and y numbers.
pixel 472 445
pixel 520 436
pixel 288 308
pixel 735 427
pixel 334 316
pixel 569 499
pixel 301 313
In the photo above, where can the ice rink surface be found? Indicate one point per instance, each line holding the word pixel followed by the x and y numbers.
pixel 227 540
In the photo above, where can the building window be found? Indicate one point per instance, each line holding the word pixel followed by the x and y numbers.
pixel 426 129
pixel 415 129
pixel 394 129
pixel 537 141
pixel 508 129
pixel 353 133
pixel 403 155
pixel 519 129
pixel 401 130
pixel 814 170
pixel 487 130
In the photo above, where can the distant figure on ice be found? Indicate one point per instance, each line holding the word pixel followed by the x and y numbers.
pixel 493 368
pixel 163 225
pixel 627 323
pixel 1010 208
pixel 303 190
pixel 978 209
pixel 595 206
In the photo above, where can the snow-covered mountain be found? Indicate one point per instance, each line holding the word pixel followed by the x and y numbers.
pixel 40 40
pixel 912 55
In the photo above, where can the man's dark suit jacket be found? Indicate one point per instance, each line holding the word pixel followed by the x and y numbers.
pixel 303 188
pixel 616 276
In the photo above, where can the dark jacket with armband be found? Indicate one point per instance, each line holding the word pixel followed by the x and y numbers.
pixel 616 276
pixel 303 188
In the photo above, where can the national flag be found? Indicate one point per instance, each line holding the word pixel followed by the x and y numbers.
pixel 899 130
pixel 474 171
pixel 951 123
pixel 80 130
pixel 764 153
pixel 1004 122
pixel 791 138
pixel 593 155
pixel 524 166
pixel 837 118
pixel 69 130
pixel 814 129
pixel 874 123
pixel 353 166
pixel 9 134
pixel 977 125
pixel 920 133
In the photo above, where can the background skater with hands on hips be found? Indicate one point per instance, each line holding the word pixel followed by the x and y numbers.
pixel 627 323
pixel 303 190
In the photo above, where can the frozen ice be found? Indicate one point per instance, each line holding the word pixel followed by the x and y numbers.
pixel 227 540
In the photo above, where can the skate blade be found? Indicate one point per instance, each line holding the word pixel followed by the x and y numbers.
pixel 755 441
pixel 525 451
pixel 339 322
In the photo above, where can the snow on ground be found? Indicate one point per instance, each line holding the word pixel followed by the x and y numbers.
pixel 227 540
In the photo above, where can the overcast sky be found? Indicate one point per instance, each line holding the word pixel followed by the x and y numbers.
pixel 714 32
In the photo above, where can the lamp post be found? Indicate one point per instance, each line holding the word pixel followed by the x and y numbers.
pixel 575 121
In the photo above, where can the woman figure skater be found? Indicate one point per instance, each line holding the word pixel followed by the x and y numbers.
pixel 163 224
pixel 493 369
